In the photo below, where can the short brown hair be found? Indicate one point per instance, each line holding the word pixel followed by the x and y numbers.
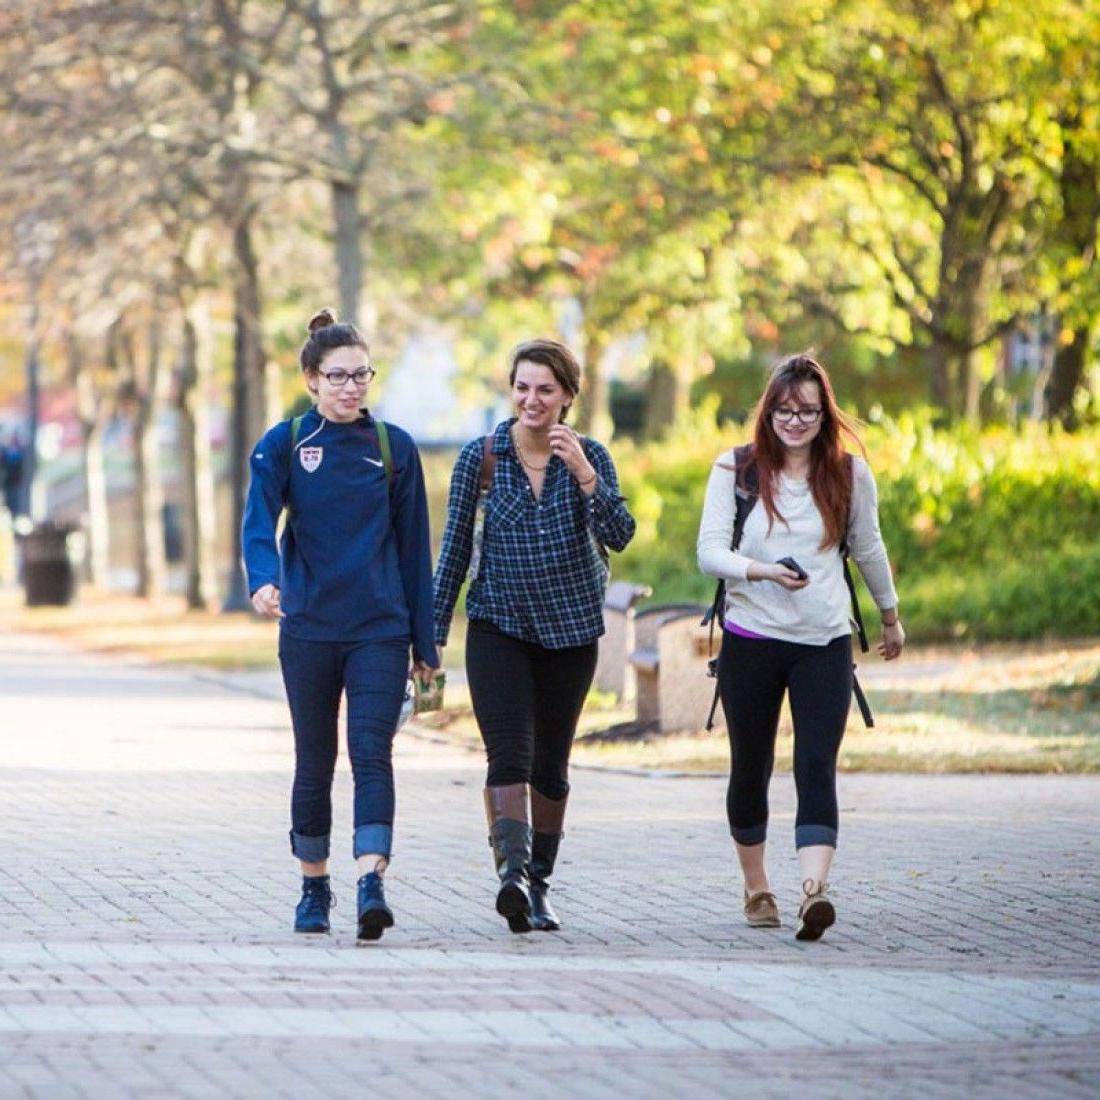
pixel 549 353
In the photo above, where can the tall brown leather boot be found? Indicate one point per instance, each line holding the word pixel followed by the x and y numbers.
pixel 547 816
pixel 509 817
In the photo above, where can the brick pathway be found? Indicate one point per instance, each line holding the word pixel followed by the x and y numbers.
pixel 147 895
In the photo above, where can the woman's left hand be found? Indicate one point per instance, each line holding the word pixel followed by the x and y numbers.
pixel 423 672
pixel 893 640
pixel 566 444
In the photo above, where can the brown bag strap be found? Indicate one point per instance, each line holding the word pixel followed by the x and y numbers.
pixel 488 463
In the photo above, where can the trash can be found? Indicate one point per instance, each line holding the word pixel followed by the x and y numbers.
pixel 48 574
pixel 173 532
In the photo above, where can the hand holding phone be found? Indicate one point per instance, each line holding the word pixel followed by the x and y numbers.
pixel 794 567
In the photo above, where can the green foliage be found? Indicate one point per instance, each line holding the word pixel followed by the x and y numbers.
pixel 992 535
pixel 1052 593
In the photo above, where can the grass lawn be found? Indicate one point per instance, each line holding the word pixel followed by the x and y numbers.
pixel 163 630
pixel 1005 708
pixel 959 709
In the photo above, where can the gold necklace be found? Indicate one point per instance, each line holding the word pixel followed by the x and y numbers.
pixel 523 457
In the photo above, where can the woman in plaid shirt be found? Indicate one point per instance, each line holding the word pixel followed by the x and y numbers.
pixel 535 610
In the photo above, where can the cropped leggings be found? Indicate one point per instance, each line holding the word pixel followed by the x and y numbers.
pixel 527 701
pixel 753 675
pixel 316 674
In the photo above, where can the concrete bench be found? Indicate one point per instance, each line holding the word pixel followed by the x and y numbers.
pixel 669 662
pixel 614 673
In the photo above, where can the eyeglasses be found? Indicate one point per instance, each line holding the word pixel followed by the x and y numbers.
pixel 803 416
pixel 340 378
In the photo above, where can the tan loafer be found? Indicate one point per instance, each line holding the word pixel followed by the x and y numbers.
pixel 816 913
pixel 761 909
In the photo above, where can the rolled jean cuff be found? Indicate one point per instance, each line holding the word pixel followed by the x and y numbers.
pixel 309 849
pixel 756 834
pixel 373 840
pixel 806 836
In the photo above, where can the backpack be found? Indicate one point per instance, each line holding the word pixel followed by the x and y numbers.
pixel 747 488
pixel 383 444
pixel 488 468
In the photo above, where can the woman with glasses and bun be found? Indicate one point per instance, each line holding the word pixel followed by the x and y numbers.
pixel 786 618
pixel 350 583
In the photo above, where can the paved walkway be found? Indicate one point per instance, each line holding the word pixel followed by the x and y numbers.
pixel 147 895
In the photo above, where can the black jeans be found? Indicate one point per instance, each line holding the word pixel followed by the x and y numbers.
pixel 527 700
pixel 316 674
pixel 753 675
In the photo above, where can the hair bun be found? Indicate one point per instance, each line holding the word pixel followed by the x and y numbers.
pixel 322 319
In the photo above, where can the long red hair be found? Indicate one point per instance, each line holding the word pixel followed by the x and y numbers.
pixel 830 472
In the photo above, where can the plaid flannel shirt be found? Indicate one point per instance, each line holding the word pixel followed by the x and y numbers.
pixel 541 576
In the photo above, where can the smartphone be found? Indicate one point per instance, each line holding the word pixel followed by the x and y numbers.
pixel 794 567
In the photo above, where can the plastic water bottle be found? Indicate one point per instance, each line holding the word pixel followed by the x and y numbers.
pixel 407 703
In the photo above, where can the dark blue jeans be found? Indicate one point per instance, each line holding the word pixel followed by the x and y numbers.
pixel 316 674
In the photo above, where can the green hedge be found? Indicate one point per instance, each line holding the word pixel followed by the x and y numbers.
pixel 992 535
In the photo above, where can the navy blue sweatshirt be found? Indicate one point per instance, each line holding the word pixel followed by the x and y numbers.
pixel 354 560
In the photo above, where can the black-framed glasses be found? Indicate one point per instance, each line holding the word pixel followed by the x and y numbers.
pixel 803 415
pixel 340 378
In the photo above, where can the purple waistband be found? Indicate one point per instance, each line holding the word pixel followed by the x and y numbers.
pixel 733 628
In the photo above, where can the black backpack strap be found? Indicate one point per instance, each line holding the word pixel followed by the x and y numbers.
pixel 712 670
pixel 861 701
pixel 747 488
pixel 857 617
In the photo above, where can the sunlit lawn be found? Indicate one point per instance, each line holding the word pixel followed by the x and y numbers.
pixel 1003 709
pixel 1006 708
pixel 158 631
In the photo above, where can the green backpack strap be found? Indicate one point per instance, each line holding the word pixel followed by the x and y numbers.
pixel 384 447
pixel 296 430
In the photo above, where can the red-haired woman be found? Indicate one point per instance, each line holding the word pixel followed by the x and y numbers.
pixel 786 618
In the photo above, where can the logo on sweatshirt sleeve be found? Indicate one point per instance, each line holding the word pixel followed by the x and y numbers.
pixel 310 458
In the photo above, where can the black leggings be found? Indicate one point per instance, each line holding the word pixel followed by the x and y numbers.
pixel 527 700
pixel 753 674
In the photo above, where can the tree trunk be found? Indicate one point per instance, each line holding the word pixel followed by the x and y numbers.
pixel 28 505
pixel 1066 376
pixel 962 318
pixel 253 392
pixel 660 400
pixel 349 254
pixel 197 476
pixel 943 359
pixel 1079 184
pixel 594 416
pixel 149 490
pixel 972 236
pixel 973 384
pixel 93 414
pixel 248 343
